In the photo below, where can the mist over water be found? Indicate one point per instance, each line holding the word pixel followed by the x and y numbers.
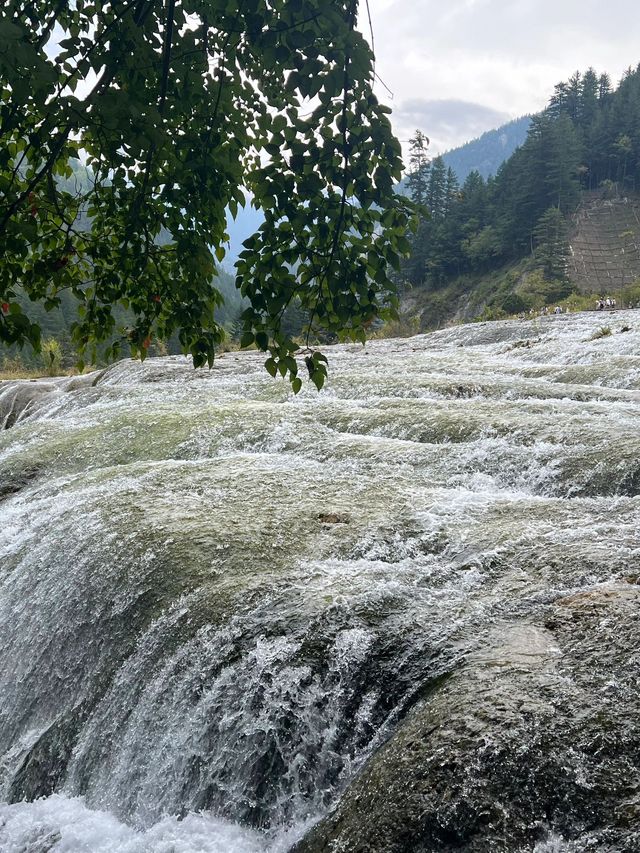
pixel 217 600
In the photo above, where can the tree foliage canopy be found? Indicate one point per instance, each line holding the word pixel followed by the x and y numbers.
pixel 179 109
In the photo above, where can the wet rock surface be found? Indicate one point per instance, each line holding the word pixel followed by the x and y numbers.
pixel 45 763
pixel 20 398
pixel 399 602
pixel 535 733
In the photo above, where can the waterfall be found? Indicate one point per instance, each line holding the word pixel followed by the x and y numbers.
pixel 219 600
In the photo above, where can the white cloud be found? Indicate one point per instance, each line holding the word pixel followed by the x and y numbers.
pixel 502 57
pixel 447 120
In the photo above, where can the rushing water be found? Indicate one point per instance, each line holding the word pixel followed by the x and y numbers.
pixel 217 599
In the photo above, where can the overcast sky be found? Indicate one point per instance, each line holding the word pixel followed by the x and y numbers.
pixel 459 67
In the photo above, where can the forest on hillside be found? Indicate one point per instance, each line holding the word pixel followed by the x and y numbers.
pixel 587 139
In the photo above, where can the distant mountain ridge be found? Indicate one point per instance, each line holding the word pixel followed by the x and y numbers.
pixel 488 152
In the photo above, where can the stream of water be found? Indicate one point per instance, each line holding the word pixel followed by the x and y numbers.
pixel 218 599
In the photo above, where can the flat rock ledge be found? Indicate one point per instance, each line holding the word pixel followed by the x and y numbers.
pixel 21 397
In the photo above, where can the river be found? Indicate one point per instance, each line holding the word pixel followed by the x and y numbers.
pixel 218 600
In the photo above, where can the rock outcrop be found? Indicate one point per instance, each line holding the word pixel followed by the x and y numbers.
pixel 534 736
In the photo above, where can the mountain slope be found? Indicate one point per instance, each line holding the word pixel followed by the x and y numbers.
pixel 605 244
pixel 488 152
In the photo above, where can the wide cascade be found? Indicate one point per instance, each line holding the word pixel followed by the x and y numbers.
pixel 401 613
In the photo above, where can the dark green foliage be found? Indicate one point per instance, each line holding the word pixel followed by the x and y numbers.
pixel 432 257
pixel 58 323
pixel 552 244
pixel 437 191
pixel 179 108
pixel 513 303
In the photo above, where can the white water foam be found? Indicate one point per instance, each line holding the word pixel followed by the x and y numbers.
pixel 60 824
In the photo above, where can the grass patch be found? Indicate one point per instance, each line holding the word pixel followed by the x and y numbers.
pixel 602 332
pixel 404 327
pixel 15 368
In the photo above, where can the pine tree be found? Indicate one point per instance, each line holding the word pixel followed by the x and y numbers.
pixel 418 176
pixel 604 87
pixel 589 106
pixel 452 189
pixel 558 101
pixel 564 155
pixel 437 192
pixel 589 136
pixel 574 92
pixel 552 246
